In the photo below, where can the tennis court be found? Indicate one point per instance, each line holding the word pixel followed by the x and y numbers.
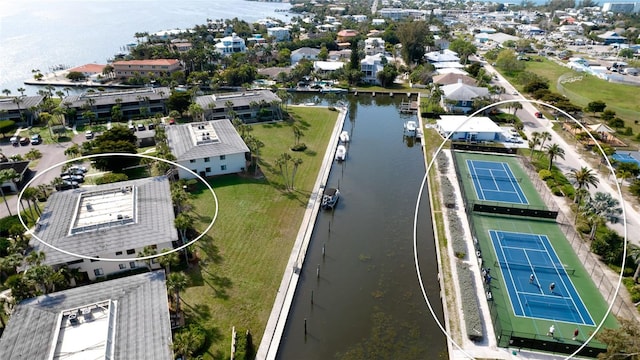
pixel 626 158
pixel 494 181
pixel 521 255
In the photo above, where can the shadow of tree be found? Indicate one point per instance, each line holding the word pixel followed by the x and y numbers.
pixel 219 284
pixel 197 312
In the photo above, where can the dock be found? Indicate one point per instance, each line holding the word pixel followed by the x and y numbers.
pixel 409 107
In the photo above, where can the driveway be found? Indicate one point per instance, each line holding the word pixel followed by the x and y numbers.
pixel 51 154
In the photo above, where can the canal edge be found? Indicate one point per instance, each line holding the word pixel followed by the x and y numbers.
pixel 270 342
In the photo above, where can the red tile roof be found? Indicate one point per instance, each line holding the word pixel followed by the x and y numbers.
pixel 159 62
pixel 89 68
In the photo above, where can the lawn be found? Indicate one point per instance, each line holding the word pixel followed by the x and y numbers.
pixel 247 250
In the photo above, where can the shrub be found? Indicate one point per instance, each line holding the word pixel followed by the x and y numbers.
pixel 470 308
pixel 299 147
pixel 634 289
pixel 557 191
pixel 443 163
pixel 111 178
pixel 458 243
pixel 545 174
pixel 7 223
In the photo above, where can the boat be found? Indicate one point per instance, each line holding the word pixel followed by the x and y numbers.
pixel 333 90
pixel 330 198
pixel 410 128
pixel 344 136
pixel 341 153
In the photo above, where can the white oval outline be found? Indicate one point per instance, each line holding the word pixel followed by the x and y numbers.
pixel 142 258
pixel 415 223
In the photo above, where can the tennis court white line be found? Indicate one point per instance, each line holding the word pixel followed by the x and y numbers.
pixel 507 169
pixel 565 286
pixel 470 166
pixel 510 276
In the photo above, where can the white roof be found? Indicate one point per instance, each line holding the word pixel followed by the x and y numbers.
pixel 451 71
pixel 478 124
pixel 328 65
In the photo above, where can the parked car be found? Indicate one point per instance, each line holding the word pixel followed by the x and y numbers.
pixel 172 121
pixel 88 134
pixel 24 141
pixel 538 115
pixel 36 139
pixel 14 140
pixel 141 127
pixel 132 128
pixel 77 169
pixel 67 185
pixel 151 126
pixel 72 177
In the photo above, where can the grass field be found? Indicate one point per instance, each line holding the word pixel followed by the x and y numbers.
pixel 247 249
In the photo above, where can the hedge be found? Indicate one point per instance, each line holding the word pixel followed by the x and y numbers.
pixel 470 307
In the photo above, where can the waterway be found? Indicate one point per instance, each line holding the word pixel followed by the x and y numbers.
pixel 367 302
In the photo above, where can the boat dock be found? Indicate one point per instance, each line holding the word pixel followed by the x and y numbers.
pixel 409 107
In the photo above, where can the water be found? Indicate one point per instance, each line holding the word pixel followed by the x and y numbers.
pixel 367 303
pixel 39 34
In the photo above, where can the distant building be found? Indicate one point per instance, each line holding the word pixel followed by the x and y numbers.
pixel 308 53
pixel 131 102
pixel 248 106
pixel 622 7
pixel 398 14
pixel 612 37
pixel 359 18
pixel 126 318
pixel 279 33
pixel 230 45
pixel 370 66
pixel 324 67
pixel 89 70
pixel 207 148
pixel 167 34
pixel 153 68
pixel 374 45
pixel 442 56
pixel 107 221
pixel 459 97
pixel 19 108
pixel 346 35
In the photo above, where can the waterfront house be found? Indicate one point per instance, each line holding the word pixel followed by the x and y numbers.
pixel 374 45
pixel 459 97
pixel 248 106
pixel 453 78
pixel 278 33
pixel 131 101
pixel 325 67
pixel 207 148
pixel 125 69
pixel 370 66
pixel 307 53
pixel 477 128
pixel 21 109
pixel 231 45
pixel 126 318
pixel 115 221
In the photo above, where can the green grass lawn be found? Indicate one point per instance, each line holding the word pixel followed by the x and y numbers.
pixel 247 250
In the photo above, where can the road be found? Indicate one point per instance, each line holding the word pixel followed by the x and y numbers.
pixel 572 160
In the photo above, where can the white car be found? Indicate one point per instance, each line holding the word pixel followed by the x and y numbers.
pixel 88 134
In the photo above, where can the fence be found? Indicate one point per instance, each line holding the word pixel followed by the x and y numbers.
pixel 483 148
pixel 515 211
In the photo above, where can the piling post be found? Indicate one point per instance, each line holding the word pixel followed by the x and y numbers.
pixel 311 297
pixel 318 271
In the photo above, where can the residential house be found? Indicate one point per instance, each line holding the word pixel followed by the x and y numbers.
pixel 359 18
pixel 308 53
pixel 370 66
pixel 90 71
pixel 378 22
pixel 459 97
pixel 20 108
pixel 452 78
pixel 125 69
pixel 21 168
pixel 374 45
pixel 248 106
pixel 612 37
pixel 442 56
pixel 397 14
pixel 340 55
pixel 133 103
pixel 111 221
pixel 324 67
pixel 167 34
pixel 346 35
pixel 477 128
pixel 126 318
pixel 621 7
pixel 279 33
pixel 230 45
pixel 181 45
pixel 207 148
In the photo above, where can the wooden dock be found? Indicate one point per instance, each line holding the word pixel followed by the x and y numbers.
pixel 409 107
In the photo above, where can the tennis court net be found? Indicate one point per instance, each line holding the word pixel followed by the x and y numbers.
pixel 495 178
pixel 555 269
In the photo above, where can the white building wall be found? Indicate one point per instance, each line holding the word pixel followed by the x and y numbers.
pixel 230 164
pixel 105 268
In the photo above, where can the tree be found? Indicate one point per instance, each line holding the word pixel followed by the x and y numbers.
pixel 168 259
pixel 183 223
pixel 177 282
pixel 296 162
pixel 388 75
pixel 463 48
pixel 582 178
pixel 598 208
pixel 414 36
pixel 147 251
pixel 553 151
pixel 623 343
pixel 297 133
pixel 7 175
pixel 596 107
pixel 534 141
pixel 634 252
pixel 507 61
pixel 544 137
pixel 283 164
pixel 115 140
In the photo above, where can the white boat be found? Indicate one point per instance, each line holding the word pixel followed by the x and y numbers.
pixel 330 198
pixel 333 90
pixel 341 153
pixel 410 128
pixel 344 136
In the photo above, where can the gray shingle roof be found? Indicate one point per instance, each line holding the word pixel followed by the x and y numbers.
pixel 217 101
pixel 154 224
pixel 25 103
pixel 183 147
pixel 142 327
pixel 127 96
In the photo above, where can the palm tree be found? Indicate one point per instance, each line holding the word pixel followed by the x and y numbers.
pixel 147 251
pixel 516 106
pixel 533 142
pixel 177 282
pixel 6 92
pixel 583 178
pixel 21 90
pixel 634 252
pixel 624 174
pixel 296 162
pixel 7 175
pixel 553 151
pixel 297 133
pixel 544 137
pixel 167 259
pixel 601 206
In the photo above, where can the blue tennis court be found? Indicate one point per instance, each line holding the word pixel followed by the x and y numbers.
pixel 530 266
pixel 627 158
pixel 494 181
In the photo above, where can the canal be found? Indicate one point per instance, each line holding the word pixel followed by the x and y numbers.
pixel 366 302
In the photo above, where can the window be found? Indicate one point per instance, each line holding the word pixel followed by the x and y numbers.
pixel 75 262
pixel 132 264
pixel 131 251
pixel 98 272
pixel 195 171
pixel 192 161
pixel 222 157
pixel 207 170
pixel 223 167
pixel 122 266
pixel 118 253
pixel 207 159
